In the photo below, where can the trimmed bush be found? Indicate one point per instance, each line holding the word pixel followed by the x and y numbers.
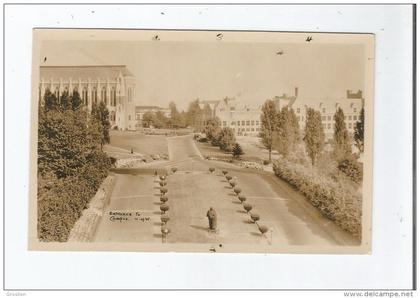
pixel 263 229
pixel 352 168
pixel 228 178
pixel 163 190
pixel 247 207
pixel 165 231
pixel 336 200
pixel 163 199
pixel 242 198
pixel 266 162
pixel 237 190
pixel 164 208
pixel 203 140
pixel 164 219
pixel 162 183
pixel 163 177
pixel 212 170
pixel 174 169
pixel 224 172
pixel 232 183
pixel 255 217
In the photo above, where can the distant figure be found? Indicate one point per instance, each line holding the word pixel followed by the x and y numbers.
pixel 212 216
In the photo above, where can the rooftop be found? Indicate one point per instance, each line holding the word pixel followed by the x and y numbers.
pixel 83 72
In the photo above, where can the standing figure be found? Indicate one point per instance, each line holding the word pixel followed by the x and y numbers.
pixel 212 216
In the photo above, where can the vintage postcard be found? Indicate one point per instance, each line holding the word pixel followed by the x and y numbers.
pixel 201 141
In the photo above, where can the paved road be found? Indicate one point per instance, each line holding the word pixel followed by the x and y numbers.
pixel 192 190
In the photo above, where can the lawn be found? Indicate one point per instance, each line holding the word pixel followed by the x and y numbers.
pixel 252 147
pixel 139 142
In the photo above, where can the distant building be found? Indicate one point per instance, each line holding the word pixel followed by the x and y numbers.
pixel 243 119
pixel 212 104
pixel 351 106
pixel 112 84
pixel 141 110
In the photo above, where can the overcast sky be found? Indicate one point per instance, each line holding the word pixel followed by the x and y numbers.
pixel 182 71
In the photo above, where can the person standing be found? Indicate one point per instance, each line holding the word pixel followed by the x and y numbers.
pixel 212 216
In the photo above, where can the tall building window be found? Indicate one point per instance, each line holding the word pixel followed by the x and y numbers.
pixel 354 117
pixel 94 95
pixel 247 122
pixel 252 122
pixel 243 123
pixel 329 118
pixel 103 95
pixel 113 97
pixel 57 92
pixel 323 110
pixel 257 122
pixel 85 95
pixel 239 123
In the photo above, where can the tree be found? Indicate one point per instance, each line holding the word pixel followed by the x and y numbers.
pixel 287 131
pixel 101 115
pixel 237 150
pixel 359 131
pixel 76 101
pixel 268 125
pixel 227 139
pixel 207 112
pixel 148 119
pixel 212 129
pixel 194 115
pixel 342 146
pixel 175 117
pixel 314 134
pixel 160 120
pixel 50 101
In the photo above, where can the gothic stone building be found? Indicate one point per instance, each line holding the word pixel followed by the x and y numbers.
pixel 113 84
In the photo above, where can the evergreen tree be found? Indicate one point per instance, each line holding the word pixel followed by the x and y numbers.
pixel 76 101
pixel 227 139
pixel 148 119
pixel 195 115
pixel 50 101
pixel 100 114
pixel 342 146
pixel 237 150
pixel 314 134
pixel 359 131
pixel 268 125
pixel 212 129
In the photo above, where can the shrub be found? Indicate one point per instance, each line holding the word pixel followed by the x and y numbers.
pixel 247 207
pixel 165 231
pixel 228 177
pixel 232 183
pixel 242 198
pixel 162 177
pixel 164 208
pixel 174 169
pixel 163 190
pixel 226 139
pixel 237 150
pixel 337 200
pixel 266 162
pixel 164 219
pixel 224 172
pixel 162 183
pixel 203 140
pixel 263 229
pixel 212 170
pixel 237 190
pixel 352 168
pixel 163 199
pixel 255 217
pixel 113 161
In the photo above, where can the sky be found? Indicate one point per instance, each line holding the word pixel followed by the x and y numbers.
pixel 177 71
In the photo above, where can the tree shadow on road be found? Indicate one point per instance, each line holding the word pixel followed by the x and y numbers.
pixel 200 228
pixel 241 211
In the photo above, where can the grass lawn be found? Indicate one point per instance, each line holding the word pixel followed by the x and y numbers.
pixel 140 143
pixel 252 147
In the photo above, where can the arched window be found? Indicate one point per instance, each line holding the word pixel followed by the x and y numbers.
pixel 103 95
pixel 113 97
pixel 57 92
pixel 85 95
pixel 94 95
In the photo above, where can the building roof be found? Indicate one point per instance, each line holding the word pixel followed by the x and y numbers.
pixel 150 108
pixel 83 72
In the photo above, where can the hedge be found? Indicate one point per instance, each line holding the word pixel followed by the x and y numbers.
pixel 336 200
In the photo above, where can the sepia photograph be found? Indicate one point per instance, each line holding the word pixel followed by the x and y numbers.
pixel 201 141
